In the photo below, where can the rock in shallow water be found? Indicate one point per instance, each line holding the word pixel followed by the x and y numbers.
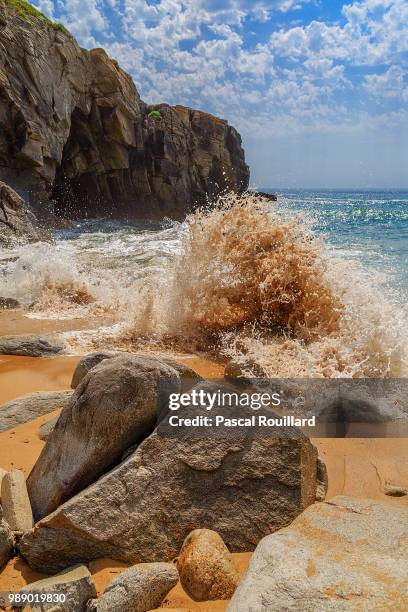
pixel 8 303
pixel 75 585
pixel 29 407
pixel 138 589
pixel 345 554
pixel 29 346
pixel 205 566
pixel 115 406
pixel 242 483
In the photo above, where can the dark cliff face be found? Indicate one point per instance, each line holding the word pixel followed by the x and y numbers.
pixel 74 131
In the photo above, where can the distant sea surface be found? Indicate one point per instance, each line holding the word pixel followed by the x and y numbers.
pixel 369 226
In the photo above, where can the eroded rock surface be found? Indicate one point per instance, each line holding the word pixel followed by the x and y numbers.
pixel 31 406
pixel 343 554
pixel 15 502
pixel 115 406
pixel 73 126
pixel 138 589
pixel 187 375
pixel 75 584
pixel 6 542
pixel 29 346
pixel 16 221
pixel 206 567
pixel 241 483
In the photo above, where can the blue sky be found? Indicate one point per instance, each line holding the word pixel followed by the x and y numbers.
pixel 318 89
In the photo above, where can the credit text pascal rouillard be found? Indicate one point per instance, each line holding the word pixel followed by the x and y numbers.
pixel 207 401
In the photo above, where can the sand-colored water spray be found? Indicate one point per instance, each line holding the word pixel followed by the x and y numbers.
pixel 254 284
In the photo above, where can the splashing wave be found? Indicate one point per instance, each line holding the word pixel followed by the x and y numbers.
pixel 243 280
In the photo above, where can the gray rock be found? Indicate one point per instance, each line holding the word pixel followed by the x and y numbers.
pixel 90 361
pixel 29 346
pixel 393 490
pixel 15 223
pixel 75 583
pixel 15 501
pixel 6 542
pixel 343 554
pixel 115 406
pixel 8 303
pixel 138 589
pixel 46 428
pixel 29 407
pixel 241 483
pixel 187 375
pixel 206 567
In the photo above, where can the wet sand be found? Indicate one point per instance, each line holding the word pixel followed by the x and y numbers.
pixel 16 322
pixel 21 375
pixel 357 467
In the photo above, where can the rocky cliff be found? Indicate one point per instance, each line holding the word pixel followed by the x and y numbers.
pixel 15 217
pixel 75 135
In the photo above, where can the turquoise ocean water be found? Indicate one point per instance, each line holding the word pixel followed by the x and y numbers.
pixel 368 226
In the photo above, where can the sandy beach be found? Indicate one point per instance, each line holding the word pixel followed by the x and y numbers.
pixel 356 467
pixel 203 216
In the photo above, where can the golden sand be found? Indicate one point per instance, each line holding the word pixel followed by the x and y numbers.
pixel 357 467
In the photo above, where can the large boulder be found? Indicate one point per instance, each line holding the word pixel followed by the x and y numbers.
pixel 206 567
pixel 29 346
pixel 15 501
pixel 343 554
pixel 16 221
pixel 115 406
pixel 31 406
pixel 71 590
pixel 138 589
pixel 6 542
pixel 187 375
pixel 241 482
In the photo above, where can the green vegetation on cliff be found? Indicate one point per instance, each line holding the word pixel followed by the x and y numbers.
pixel 25 10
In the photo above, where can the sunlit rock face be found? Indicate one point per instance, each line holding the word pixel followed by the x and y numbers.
pixel 75 135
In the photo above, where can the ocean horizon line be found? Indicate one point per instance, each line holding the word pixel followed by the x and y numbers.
pixel 338 189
